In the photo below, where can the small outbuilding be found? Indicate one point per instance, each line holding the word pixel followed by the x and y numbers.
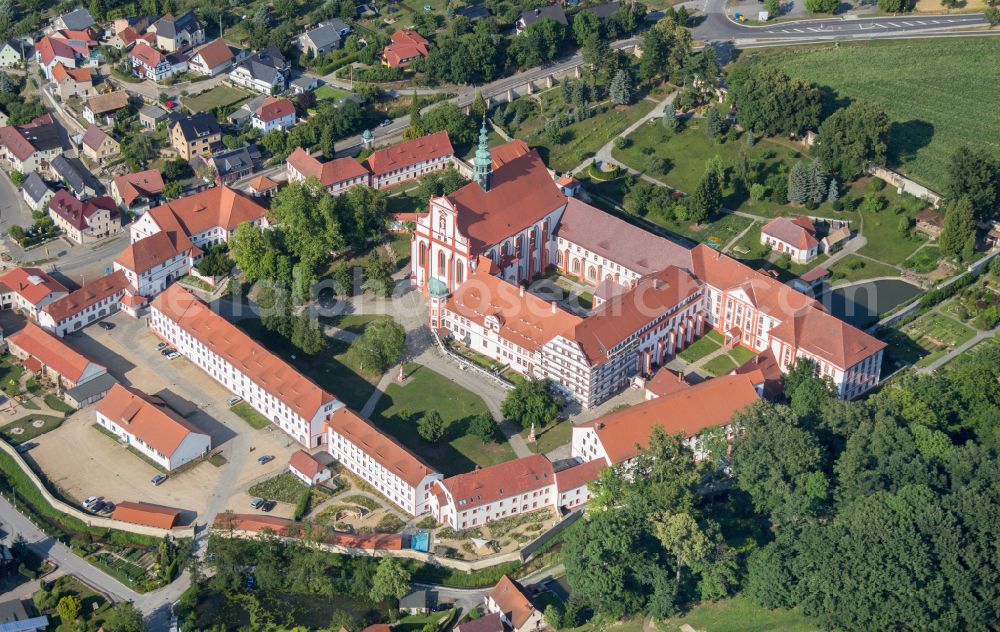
pixel 310 471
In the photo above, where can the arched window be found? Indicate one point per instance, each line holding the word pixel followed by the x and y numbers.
pixel 591 273
pixel 441 264
pixel 559 257
pixel 423 254
pixel 459 272
pixel 576 266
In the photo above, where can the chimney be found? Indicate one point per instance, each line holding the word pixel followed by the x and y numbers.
pixel 598 426
pixel 520 290
pixel 553 307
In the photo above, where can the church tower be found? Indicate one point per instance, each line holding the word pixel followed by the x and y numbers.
pixel 482 164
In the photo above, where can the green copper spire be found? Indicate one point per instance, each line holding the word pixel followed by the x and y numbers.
pixel 482 164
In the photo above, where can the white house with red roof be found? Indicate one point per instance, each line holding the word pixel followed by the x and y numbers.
pixel 335 175
pixel 307 468
pixel 380 461
pixel 272 387
pixel 73 82
pixel 273 113
pixel 31 147
pixel 409 160
pixel 212 59
pixel 45 355
pixel 50 51
pixel 510 600
pixel 85 221
pixel 149 63
pixel 153 263
pixel 146 424
pixel 138 191
pixel 28 290
pixel 90 303
pixel 794 236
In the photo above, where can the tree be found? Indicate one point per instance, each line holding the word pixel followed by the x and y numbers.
pixel 975 173
pixel 343 279
pixel 479 107
pixel 585 26
pixel 669 120
pixel 391 581
pixel 307 335
pixel 896 6
pixel 124 617
pixel 992 16
pixel 216 262
pixel 713 123
pixel 248 246
pixel 68 608
pixel 959 225
pixel 773 8
pixel 798 183
pixel 431 427
pixel 822 6
pixel 683 538
pixel 852 137
pixel 378 275
pixel 172 190
pixel 757 192
pixel 484 426
pixel 530 402
pixel 552 616
pixel 44 599
pixel 380 346
pixel 768 101
pixel 817 190
pixel 620 90
pixel 706 200
pixel 833 191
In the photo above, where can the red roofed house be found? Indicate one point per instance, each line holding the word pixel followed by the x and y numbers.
pixel 137 191
pixel 73 82
pixel 268 384
pixel 336 175
pixel 50 51
pixel 380 461
pixel 98 145
pixel 85 221
pixel 488 623
pixel 89 304
pixel 305 467
pixel 619 436
pixel 28 290
pixel 405 47
pixel 797 237
pixel 149 63
pixel 509 599
pixel 146 514
pixel 31 147
pixel 212 59
pixel 54 358
pixel 148 425
pixel 273 113
pixel 410 159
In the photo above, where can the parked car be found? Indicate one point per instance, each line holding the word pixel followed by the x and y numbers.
pixel 385 123
pixel 92 500
pixel 98 506
pixel 267 458
pixel 232 401
pixel 160 345
pixel 108 507
pixel 159 478
pixel 166 351
pixel 268 505
pixel 173 355
pixel 256 503
pixel 105 325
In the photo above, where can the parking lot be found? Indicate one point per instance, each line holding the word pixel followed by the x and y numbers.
pixel 84 462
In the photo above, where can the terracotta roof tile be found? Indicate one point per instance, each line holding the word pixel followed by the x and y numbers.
pixel 381 447
pixel 52 352
pixel 409 153
pixel 791 232
pixel 305 463
pixel 215 207
pixel 147 54
pixel 215 53
pixel 666 382
pixel 328 173
pixel 149 252
pixel 825 336
pixel 496 482
pixel 131 186
pixel 152 422
pixel 90 294
pixel 60 73
pixel 146 514
pixel 579 474
pixel 273 108
pixel 513 601
pixel 33 284
pixel 511 150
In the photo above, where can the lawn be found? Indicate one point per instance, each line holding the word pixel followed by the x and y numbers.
pixel 285 488
pixel 327 92
pixel 924 260
pixel 719 365
pixel 401 407
pixel 937 335
pixel 548 439
pixel 924 134
pixel 699 349
pixel 742 355
pixel 855 268
pixel 256 420
pixel 582 140
pixel 885 241
pixel 29 429
pixel 416 622
pixel 56 404
pixel 217 97
pixel 354 323
pixel 738 614
pixel 93 605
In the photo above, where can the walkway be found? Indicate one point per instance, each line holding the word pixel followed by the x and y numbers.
pixel 604 153
pixel 960 349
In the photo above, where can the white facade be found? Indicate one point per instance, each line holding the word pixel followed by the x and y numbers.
pixel 452 514
pixel 319 477
pixel 281 123
pixel 15 301
pixel 39 204
pixel 409 172
pixel 193 446
pixel 161 71
pixel 798 255
pixel 156 279
pixel 335 188
pixel 9 56
pixel 307 432
pixel 242 76
pixel 413 499
pixel 75 322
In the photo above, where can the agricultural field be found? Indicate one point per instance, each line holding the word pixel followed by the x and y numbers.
pixel 218 97
pixel 945 101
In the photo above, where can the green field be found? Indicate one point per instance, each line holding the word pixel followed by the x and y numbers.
pixel 719 365
pixel 327 92
pixel 738 614
pixel 855 268
pixel 583 139
pixel 256 420
pixel 699 349
pixel 285 488
pixel 401 407
pixel 28 429
pixel 926 339
pixel 549 438
pixel 939 94
pixel 219 96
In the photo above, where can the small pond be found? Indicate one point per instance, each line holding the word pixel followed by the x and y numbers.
pixel 862 303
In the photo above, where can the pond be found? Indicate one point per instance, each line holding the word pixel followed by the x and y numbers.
pixel 862 303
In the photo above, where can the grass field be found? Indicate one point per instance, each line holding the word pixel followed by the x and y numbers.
pixel 738 614
pixel 855 268
pixel 550 438
pixel 719 365
pixel 327 92
pixel 28 428
pixel 219 96
pixel 401 407
pixel 285 488
pixel 938 94
pixel 698 349
pixel 256 420
pixel 354 323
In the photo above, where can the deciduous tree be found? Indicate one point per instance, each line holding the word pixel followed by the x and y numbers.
pixel 431 426
pixel 852 137
pixel 530 402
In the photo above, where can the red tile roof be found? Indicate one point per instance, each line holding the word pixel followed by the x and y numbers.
pixel 328 173
pixel 146 514
pixel 766 365
pixel 521 193
pixel 60 73
pixel 131 186
pixel 147 419
pixel 268 371
pixel 381 447
pixel 815 274
pixel 274 108
pixel 405 45
pixel 791 232
pixel 305 463
pixel 48 48
pixel 78 213
pixel 149 252
pixel 147 54
pixel 406 36
pixel 215 53
pixel 579 474
pixel 827 337
pixel 502 154
pixel 712 403
pixel 666 382
pixel 496 482
pixel 284 526
pixel 409 153
pixel 33 284
pixel 487 623
pixel 51 351
pixel 216 207
pixel 513 601
pixel 90 294
pixel 263 183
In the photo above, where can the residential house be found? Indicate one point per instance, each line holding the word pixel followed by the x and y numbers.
pixel 529 17
pixel 152 264
pixel 73 82
pixel 36 192
pixel 273 113
pixel 410 160
pixel 241 116
pixel 511 601
pixel 130 36
pixel 405 47
pixel 796 237
pixel 488 623
pixel 267 383
pixel 173 34
pixel 303 84
pixel 102 109
pixel 10 54
pixel 137 192
pixel 138 23
pixel 76 20
pixel 380 461
pixel 86 48
pixel 325 37
pixel 234 164
pixel 73 175
pixel 90 303
pixel 98 145
pixel 31 147
pixel 146 424
pixel 266 71
pixel 195 134
pixel 13 614
pixel 45 355
pixel 603 11
pixel 28 290
pixel 149 63
pixel 836 239
pixel 417 602
pixel 308 469
pixel 336 175
pixel 85 221
pixel 151 115
pixel 50 51
pixel 212 59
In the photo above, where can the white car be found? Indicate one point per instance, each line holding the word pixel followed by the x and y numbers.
pixel 92 500
pixel 232 401
pixel 173 355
